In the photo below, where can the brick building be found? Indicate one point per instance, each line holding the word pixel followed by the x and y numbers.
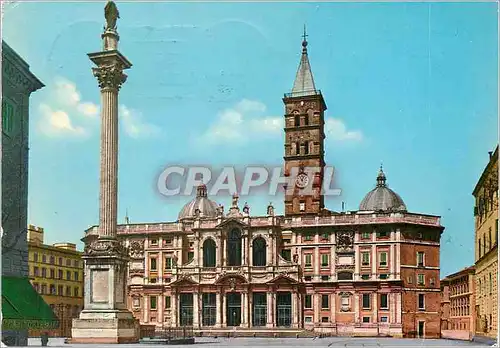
pixel 374 271
pixel 458 305
pixel 486 247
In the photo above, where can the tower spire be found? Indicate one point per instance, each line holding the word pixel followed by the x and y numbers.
pixel 304 81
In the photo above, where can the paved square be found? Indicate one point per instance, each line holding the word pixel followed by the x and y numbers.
pixel 206 342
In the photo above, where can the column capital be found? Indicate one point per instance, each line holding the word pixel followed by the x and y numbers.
pixel 110 76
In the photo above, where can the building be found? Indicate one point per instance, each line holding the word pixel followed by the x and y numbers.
pixel 458 305
pixel 56 273
pixel 22 308
pixel 486 248
pixel 374 271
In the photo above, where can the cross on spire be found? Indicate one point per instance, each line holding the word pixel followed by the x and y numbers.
pixel 304 36
pixel 304 39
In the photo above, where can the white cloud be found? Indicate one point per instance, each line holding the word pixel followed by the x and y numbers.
pixel 57 122
pixel 336 130
pixel 133 124
pixel 64 113
pixel 242 121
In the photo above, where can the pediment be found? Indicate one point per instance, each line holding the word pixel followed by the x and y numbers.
pixel 184 281
pixel 282 279
pixel 231 222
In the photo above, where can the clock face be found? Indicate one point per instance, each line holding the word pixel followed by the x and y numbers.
pixel 302 180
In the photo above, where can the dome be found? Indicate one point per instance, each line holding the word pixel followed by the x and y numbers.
pixel 382 197
pixel 201 204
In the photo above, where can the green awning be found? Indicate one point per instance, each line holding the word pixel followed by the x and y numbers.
pixel 23 307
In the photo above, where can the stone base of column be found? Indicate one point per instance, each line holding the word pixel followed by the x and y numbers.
pixel 105 327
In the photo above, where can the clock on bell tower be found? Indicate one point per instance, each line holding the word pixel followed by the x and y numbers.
pixel 304 141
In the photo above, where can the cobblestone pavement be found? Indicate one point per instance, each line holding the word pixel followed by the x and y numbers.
pixel 205 342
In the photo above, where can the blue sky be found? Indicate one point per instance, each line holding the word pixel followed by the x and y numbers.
pixel 413 85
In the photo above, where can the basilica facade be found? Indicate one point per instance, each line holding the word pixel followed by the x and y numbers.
pixel 371 272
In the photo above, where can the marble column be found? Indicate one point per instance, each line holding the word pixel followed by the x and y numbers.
pixel 356 308
pixel 375 307
pixel 244 309
pixel 224 310
pixel 218 321
pixel 295 309
pixel 174 310
pixel 196 310
pixel 105 317
pixel 270 309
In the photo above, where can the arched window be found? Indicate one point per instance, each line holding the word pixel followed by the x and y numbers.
pixel 297 148
pixel 234 248
pixel 297 120
pixel 306 148
pixel 209 253
pixel 259 251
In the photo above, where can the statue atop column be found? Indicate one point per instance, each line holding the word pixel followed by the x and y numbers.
pixel 111 14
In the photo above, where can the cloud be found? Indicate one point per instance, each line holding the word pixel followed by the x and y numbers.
pixel 335 129
pixel 133 124
pixel 245 120
pixel 242 121
pixel 64 113
pixel 58 122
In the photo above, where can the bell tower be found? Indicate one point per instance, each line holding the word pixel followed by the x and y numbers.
pixel 304 141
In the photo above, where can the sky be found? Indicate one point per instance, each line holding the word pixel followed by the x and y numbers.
pixel 409 85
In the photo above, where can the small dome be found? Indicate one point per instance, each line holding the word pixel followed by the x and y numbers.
pixel 382 197
pixel 201 204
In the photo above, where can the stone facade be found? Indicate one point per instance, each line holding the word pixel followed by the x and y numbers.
pixel 458 305
pixel 17 85
pixel 486 247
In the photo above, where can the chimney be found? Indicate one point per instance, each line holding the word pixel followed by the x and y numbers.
pixel 490 153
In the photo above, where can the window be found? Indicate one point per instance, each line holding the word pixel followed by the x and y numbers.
pixel 383 276
pixel 307 278
pixel 365 235
pixel 365 258
pixel 365 276
pixel 52 273
pixel 52 288
pixel 308 319
pixel 308 302
pixel 325 319
pixel 324 302
pixel 167 302
pixel 421 302
pixel 35 257
pixel 68 291
pixel 259 252
pixel 44 272
pixel 154 241
pixel 234 248
pixel 383 319
pixel 286 254
pixel 76 292
pixel 324 260
pixel 308 260
pixel 152 263
pixel 420 259
pixel 60 290
pixel 209 253
pixel 168 263
pixel 297 120
pixel 302 206
pixel 152 280
pixel 325 278
pixel 7 117
pixel 308 237
pixel 68 275
pixel 36 271
pixel 75 275
pixel 297 148
pixel 366 319
pixel 190 256
pixel 382 234
pixel 383 259
pixel 366 301
pixel 68 263
pixel 325 236
pixel 152 302
pixel 44 289
pixel 491 284
pixel 60 261
pixel 44 258
pixel 420 279
pixel 76 264
pixel 60 274
pixel 52 260
pixel 489 239
pixel 306 148
pixel 383 301
pixel 479 247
